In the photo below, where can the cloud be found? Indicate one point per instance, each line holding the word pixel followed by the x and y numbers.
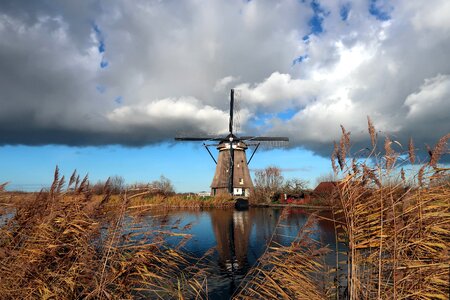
pixel 142 72
pixel 176 113
pixel 223 83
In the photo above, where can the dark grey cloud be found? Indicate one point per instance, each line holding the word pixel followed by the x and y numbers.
pixel 171 65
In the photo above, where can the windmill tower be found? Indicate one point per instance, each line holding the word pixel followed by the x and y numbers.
pixel 232 175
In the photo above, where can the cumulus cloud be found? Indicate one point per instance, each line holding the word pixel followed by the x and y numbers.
pixel 223 83
pixel 175 113
pixel 135 73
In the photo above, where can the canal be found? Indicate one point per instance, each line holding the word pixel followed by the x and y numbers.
pixel 232 239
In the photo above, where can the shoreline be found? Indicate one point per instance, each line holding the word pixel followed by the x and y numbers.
pixel 292 206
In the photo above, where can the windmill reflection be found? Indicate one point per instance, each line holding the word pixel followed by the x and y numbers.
pixel 232 231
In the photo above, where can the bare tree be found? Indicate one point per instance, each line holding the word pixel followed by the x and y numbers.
pixel 268 182
pixel 117 184
pixel 163 185
pixel 295 186
pixel 326 178
pixel 114 185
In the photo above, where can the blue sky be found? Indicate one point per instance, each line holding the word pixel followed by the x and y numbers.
pixel 187 165
pixel 104 86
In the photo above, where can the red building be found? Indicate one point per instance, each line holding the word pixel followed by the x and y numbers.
pixel 324 190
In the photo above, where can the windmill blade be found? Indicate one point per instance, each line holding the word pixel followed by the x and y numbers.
pixel 265 138
pixel 230 125
pixel 199 138
pixel 236 112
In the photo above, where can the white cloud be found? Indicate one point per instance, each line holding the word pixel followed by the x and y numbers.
pixel 223 83
pixel 163 113
pixel 279 91
pixel 432 101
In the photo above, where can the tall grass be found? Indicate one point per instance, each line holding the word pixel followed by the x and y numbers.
pixel 287 272
pixel 143 202
pixel 67 244
pixel 397 229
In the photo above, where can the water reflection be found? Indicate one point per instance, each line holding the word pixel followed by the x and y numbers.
pixel 232 230
pixel 239 238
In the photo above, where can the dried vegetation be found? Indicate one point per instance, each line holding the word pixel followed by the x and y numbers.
pixel 392 233
pixel 68 244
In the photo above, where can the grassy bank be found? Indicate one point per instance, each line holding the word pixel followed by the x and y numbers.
pixel 144 201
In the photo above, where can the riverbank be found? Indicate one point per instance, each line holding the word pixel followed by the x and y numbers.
pixel 305 206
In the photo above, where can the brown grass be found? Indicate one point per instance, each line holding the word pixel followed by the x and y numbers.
pixel 397 231
pixel 143 202
pixel 287 272
pixel 71 245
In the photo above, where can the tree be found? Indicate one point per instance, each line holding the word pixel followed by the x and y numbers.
pixel 117 184
pixel 114 185
pixel 325 178
pixel 268 182
pixel 295 186
pixel 163 185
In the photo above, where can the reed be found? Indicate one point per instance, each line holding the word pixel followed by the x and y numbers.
pixel 143 202
pixel 393 225
pixel 288 272
pixel 68 244
pixel 397 231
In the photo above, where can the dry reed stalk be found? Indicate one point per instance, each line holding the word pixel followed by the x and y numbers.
pixel 411 152
pixel 334 155
pixel 344 145
pixel 287 272
pixel 390 154
pixel 54 247
pixel 439 149
pixel 372 132
pixel 2 186
pixel 398 236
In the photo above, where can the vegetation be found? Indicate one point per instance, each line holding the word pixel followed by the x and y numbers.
pixel 397 231
pixel 69 244
pixel 177 201
pixel 269 184
pixel 290 272
pixel 396 234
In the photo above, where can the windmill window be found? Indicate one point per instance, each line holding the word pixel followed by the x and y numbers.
pixel 241 180
pixel 238 165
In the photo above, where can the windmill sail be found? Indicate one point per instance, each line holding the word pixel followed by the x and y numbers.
pixel 232 175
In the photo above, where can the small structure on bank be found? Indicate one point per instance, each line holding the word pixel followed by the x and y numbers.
pixel 232 175
pixel 325 190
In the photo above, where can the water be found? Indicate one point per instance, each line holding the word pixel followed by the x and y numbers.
pixel 236 238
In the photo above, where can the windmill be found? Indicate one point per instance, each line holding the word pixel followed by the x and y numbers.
pixel 232 175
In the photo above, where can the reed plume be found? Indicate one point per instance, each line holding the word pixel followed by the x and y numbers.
pixel 372 132
pixel 439 149
pixel 411 152
pixel 397 235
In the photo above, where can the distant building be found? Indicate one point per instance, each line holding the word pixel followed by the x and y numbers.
pixel 204 194
pixel 326 188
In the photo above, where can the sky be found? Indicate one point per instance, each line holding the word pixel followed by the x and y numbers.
pixel 104 86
